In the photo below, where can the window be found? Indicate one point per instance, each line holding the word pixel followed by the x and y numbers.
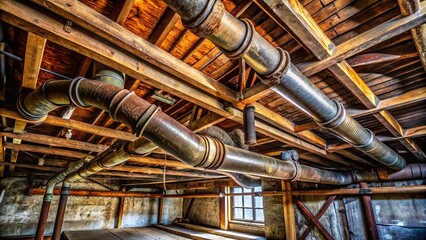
pixel 247 208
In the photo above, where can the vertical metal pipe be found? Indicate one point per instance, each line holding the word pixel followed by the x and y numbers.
pixel 249 125
pixel 369 214
pixel 41 226
pixel 61 211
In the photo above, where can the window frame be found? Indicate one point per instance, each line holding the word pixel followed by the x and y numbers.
pixel 253 207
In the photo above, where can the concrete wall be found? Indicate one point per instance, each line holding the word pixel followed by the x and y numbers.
pixel 19 213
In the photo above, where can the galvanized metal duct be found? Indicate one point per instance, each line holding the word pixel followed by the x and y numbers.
pixel 238 39
pixel 148 121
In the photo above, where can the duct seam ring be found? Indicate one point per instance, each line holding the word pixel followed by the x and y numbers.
pixel 23 111
pixel 73 94
pixel 206 153
pixel 208 20
pixel 337 120
pixel 245 45
pixel 368 143
pixel 298 171
pixel 275 76
pixel 145 118
pixel 117 101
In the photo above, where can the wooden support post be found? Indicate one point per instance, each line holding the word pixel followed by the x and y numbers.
pixel 18 128
pixel 120 210
pixel 224 208
pixel 160 211
pixel 369 214
pixel 314 219
pixel 288 207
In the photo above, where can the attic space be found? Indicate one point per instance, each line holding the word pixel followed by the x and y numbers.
pixel 212 119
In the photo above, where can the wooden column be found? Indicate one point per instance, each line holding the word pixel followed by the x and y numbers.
pixel 224 208
pixel 288 207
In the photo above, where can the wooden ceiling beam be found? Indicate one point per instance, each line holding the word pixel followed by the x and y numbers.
pixel 166 23
pixel 368 39
pixel 411 7
pixel 56 142
pixel 45 150
pixel 291 14
pixel 76 40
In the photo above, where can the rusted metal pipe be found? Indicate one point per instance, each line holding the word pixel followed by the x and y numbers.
pixel 238 39
pixel 61 211
pixel 249 125
pixel 146 120
pixel 373 233
pixel 44 213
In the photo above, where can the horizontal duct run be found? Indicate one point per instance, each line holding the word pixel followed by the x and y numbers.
pixel 148 121
pixel 238 39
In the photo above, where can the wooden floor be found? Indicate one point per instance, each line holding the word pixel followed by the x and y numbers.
pixel 166 232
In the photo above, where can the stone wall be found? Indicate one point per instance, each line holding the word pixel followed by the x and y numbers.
pixel 206 212
pixel 398 216
pixel 19 213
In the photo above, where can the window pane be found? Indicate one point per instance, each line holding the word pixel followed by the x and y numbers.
pixel 258 202
pixel 258 189
pixel 238 213
pixel 238 201
pixel 248 214
pixel 236 190
pixel 259 215
pixel 247 189
pixel 248 201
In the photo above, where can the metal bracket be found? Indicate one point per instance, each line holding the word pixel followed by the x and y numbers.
pixel 365 191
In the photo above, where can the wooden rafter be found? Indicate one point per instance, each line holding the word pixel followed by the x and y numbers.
pixel 291 14
pixel 167 21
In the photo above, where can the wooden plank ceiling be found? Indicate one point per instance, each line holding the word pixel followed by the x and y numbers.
pixel 360 53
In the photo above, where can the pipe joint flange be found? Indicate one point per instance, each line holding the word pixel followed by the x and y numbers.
pixel 368 144
pixel 48 197
pixel 275 76
pixel 213 155
pixel 245 45
pixel 65 190
pixel 298 169
pixel 117 101
pixel 209 19
pixel 73 93
pixel 145 118
pixel 24 112
pixel 337 120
